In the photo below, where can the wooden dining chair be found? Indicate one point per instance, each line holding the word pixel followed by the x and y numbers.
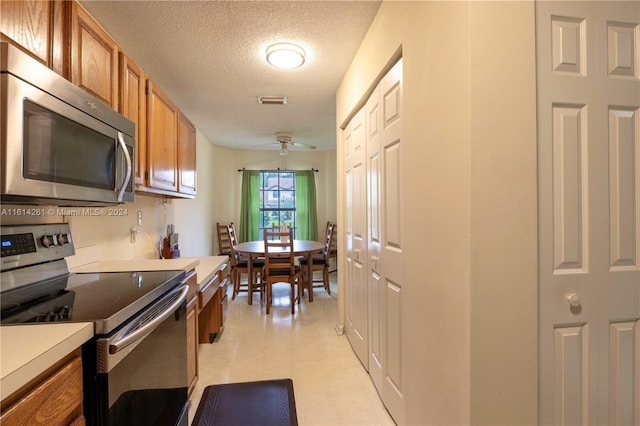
pixel 320 262
pixel 279 265
pixel 240 266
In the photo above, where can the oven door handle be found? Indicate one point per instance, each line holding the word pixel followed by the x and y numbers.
pixel 126 339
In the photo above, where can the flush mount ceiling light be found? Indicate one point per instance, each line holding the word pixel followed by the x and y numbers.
pixel 285 55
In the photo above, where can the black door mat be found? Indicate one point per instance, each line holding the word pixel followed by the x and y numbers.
pixel 262 403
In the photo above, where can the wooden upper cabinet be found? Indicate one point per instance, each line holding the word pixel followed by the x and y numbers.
pixel 133 105
pixel 39 28
pixel 94 57
pixel 162 134
pixel 186 155
pixel 62 35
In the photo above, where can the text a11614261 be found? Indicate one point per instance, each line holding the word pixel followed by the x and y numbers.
pixel 61 211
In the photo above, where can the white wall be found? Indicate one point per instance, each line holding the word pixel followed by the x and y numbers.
pixel 469 220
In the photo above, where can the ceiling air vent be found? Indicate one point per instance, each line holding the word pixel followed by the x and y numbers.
pixel 272 100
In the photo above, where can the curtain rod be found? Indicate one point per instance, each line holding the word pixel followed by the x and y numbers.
pixel 279 170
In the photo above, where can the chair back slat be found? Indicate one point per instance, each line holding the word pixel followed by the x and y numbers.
pixel 234 257
pixel 223 239
pixel 328 240
pixel 279 258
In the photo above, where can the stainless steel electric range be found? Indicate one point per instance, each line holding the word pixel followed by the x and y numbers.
pixel 135 367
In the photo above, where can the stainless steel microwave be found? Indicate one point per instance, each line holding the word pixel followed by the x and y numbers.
pixel 60 145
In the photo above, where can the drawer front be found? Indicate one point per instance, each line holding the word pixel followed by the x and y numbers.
pixel 208 291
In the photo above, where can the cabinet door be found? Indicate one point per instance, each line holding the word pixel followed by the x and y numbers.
pixel 162 146
pixel 53 401
pixel 94 57
pixel 186 155
pixel 192 343
pixel 133 106
pixel 37 26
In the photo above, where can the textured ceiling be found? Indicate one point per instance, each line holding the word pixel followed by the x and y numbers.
pixel 208 57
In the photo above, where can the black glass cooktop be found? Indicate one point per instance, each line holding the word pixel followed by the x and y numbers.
pixel 107 299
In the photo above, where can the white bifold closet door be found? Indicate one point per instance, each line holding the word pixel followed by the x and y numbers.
pixel 381 256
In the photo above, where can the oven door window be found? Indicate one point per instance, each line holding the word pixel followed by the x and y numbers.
pixel 57 149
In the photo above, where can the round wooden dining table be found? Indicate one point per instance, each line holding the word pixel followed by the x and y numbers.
pixel 306 248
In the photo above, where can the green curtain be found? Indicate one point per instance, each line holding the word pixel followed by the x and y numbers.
pixel 250 206
pixel 306 208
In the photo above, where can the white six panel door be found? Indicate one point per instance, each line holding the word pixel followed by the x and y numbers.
pixel 357 297
pixel 375 202
pixel 589 212
pixel 390 262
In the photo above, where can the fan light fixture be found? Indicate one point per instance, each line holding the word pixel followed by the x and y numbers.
pixel 285 55
pixel 283 150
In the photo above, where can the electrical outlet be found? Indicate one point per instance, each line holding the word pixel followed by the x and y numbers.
pixel 134 232
pixel 139 217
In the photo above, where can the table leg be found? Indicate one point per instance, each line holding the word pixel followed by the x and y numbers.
pixel 250 280
pixel 309 282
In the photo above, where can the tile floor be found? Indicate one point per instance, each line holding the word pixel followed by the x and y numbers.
pixel 331 387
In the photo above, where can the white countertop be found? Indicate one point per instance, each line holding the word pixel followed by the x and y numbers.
pixel 28 350
pixel 209 265
pixel 186 264
pixel 205 266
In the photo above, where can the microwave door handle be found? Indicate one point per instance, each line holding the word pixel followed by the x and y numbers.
pixel 127 157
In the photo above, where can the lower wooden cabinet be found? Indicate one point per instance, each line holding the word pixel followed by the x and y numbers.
pixel 207 314
pixel 213 305
pixel 220 306
pixel 54 399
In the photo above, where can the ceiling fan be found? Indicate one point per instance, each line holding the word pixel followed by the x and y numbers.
pixel 284 139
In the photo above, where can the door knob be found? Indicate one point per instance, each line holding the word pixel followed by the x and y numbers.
pixel 574 300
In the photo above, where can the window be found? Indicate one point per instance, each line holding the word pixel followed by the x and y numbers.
pixel 277 200
pixel 274 198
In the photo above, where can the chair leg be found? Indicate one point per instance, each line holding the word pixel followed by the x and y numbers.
pixel 325 277
pixel 268 297
pixel 293 297
pixel 259 283
pixel 236 284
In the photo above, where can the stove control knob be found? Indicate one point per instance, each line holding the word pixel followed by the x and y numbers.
pixel 63 239
pixel 48 240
